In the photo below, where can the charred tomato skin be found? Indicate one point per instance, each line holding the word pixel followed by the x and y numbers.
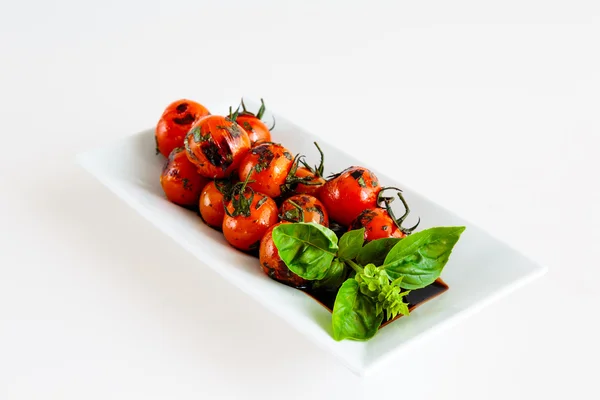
pixel 212 205
pixel 245 232
pixel 312 210
pixel 377 223
pixel 273 265
pixel 348 194
pixel 257 131
pixel 272 163
pixel 312 190
pixel 175 122
pixel 216 145
pixel 180 181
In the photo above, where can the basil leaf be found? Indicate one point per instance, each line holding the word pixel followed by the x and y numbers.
pixel 306 248
pixel 336 275
pixel 420 257
pixel 350 244
pixel 374 252
pixel 354 314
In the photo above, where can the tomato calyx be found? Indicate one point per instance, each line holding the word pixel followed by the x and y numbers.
pixel 259 114
pixel 233 114
pixel 386 201
pixel 241 204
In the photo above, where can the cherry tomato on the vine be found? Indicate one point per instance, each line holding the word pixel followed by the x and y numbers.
pixel 247 217
pixel 307 179
pixel 180 181
pixel 213 198
pixel 252 123
pixel 304 208
pixel 381 222
pixel 216 145
pixel 274 266
pixel 174 124
pixel 268 165
pixel 377 223
pixel 349 193
pixel 314 184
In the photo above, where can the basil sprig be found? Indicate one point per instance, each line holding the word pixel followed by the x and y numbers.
pixel 385 270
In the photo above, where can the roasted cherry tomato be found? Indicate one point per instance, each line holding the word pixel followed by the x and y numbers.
pixel 257 130
pixel 253 125
pixel 307 180
pixel 216 145
pixel 314 184
pixel 377 223
pixel 304 208
pixel 268 165
pixel 213 198
pixel 349 193
pixel 381 223
pixel 180 180
pixel 274 266
pixel 174 124
pixel 247 217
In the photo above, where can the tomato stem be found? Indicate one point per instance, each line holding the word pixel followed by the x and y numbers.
pixel 387 201
pixel 241 204
pixel 273 126
pixel 318 171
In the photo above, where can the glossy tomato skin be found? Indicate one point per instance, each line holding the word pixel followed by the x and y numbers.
pixel 312 210
pixel 245 232
pixel 312 190
pixel 377 223
pixel 257 131
pixel 175 122
pixel 274 266
pixel 213 198
pixel 216 145
pixel 272 163
pixel 180 181
pixel 347 195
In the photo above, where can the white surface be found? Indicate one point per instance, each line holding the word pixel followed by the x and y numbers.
pixel 481 269
pixel 500 98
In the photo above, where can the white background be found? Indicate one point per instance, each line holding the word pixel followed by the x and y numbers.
pixel 490 108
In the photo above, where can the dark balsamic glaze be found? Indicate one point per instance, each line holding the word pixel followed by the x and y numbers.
pixel 415 298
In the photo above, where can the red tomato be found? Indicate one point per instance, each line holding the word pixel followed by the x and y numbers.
pixel 307 180
pixel 258 132
pixel 213 198
pixel 180 181
pixel 274 266
pixel 314 184
pixel 174 124
pixel 216 145
pixel 268 165
pixel 252 123
pixel 304 208
pixel 381 223
pixel 377 223
pixel 349 193
pixel 247 217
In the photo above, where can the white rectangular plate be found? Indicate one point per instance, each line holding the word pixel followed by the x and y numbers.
pixel 480 270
